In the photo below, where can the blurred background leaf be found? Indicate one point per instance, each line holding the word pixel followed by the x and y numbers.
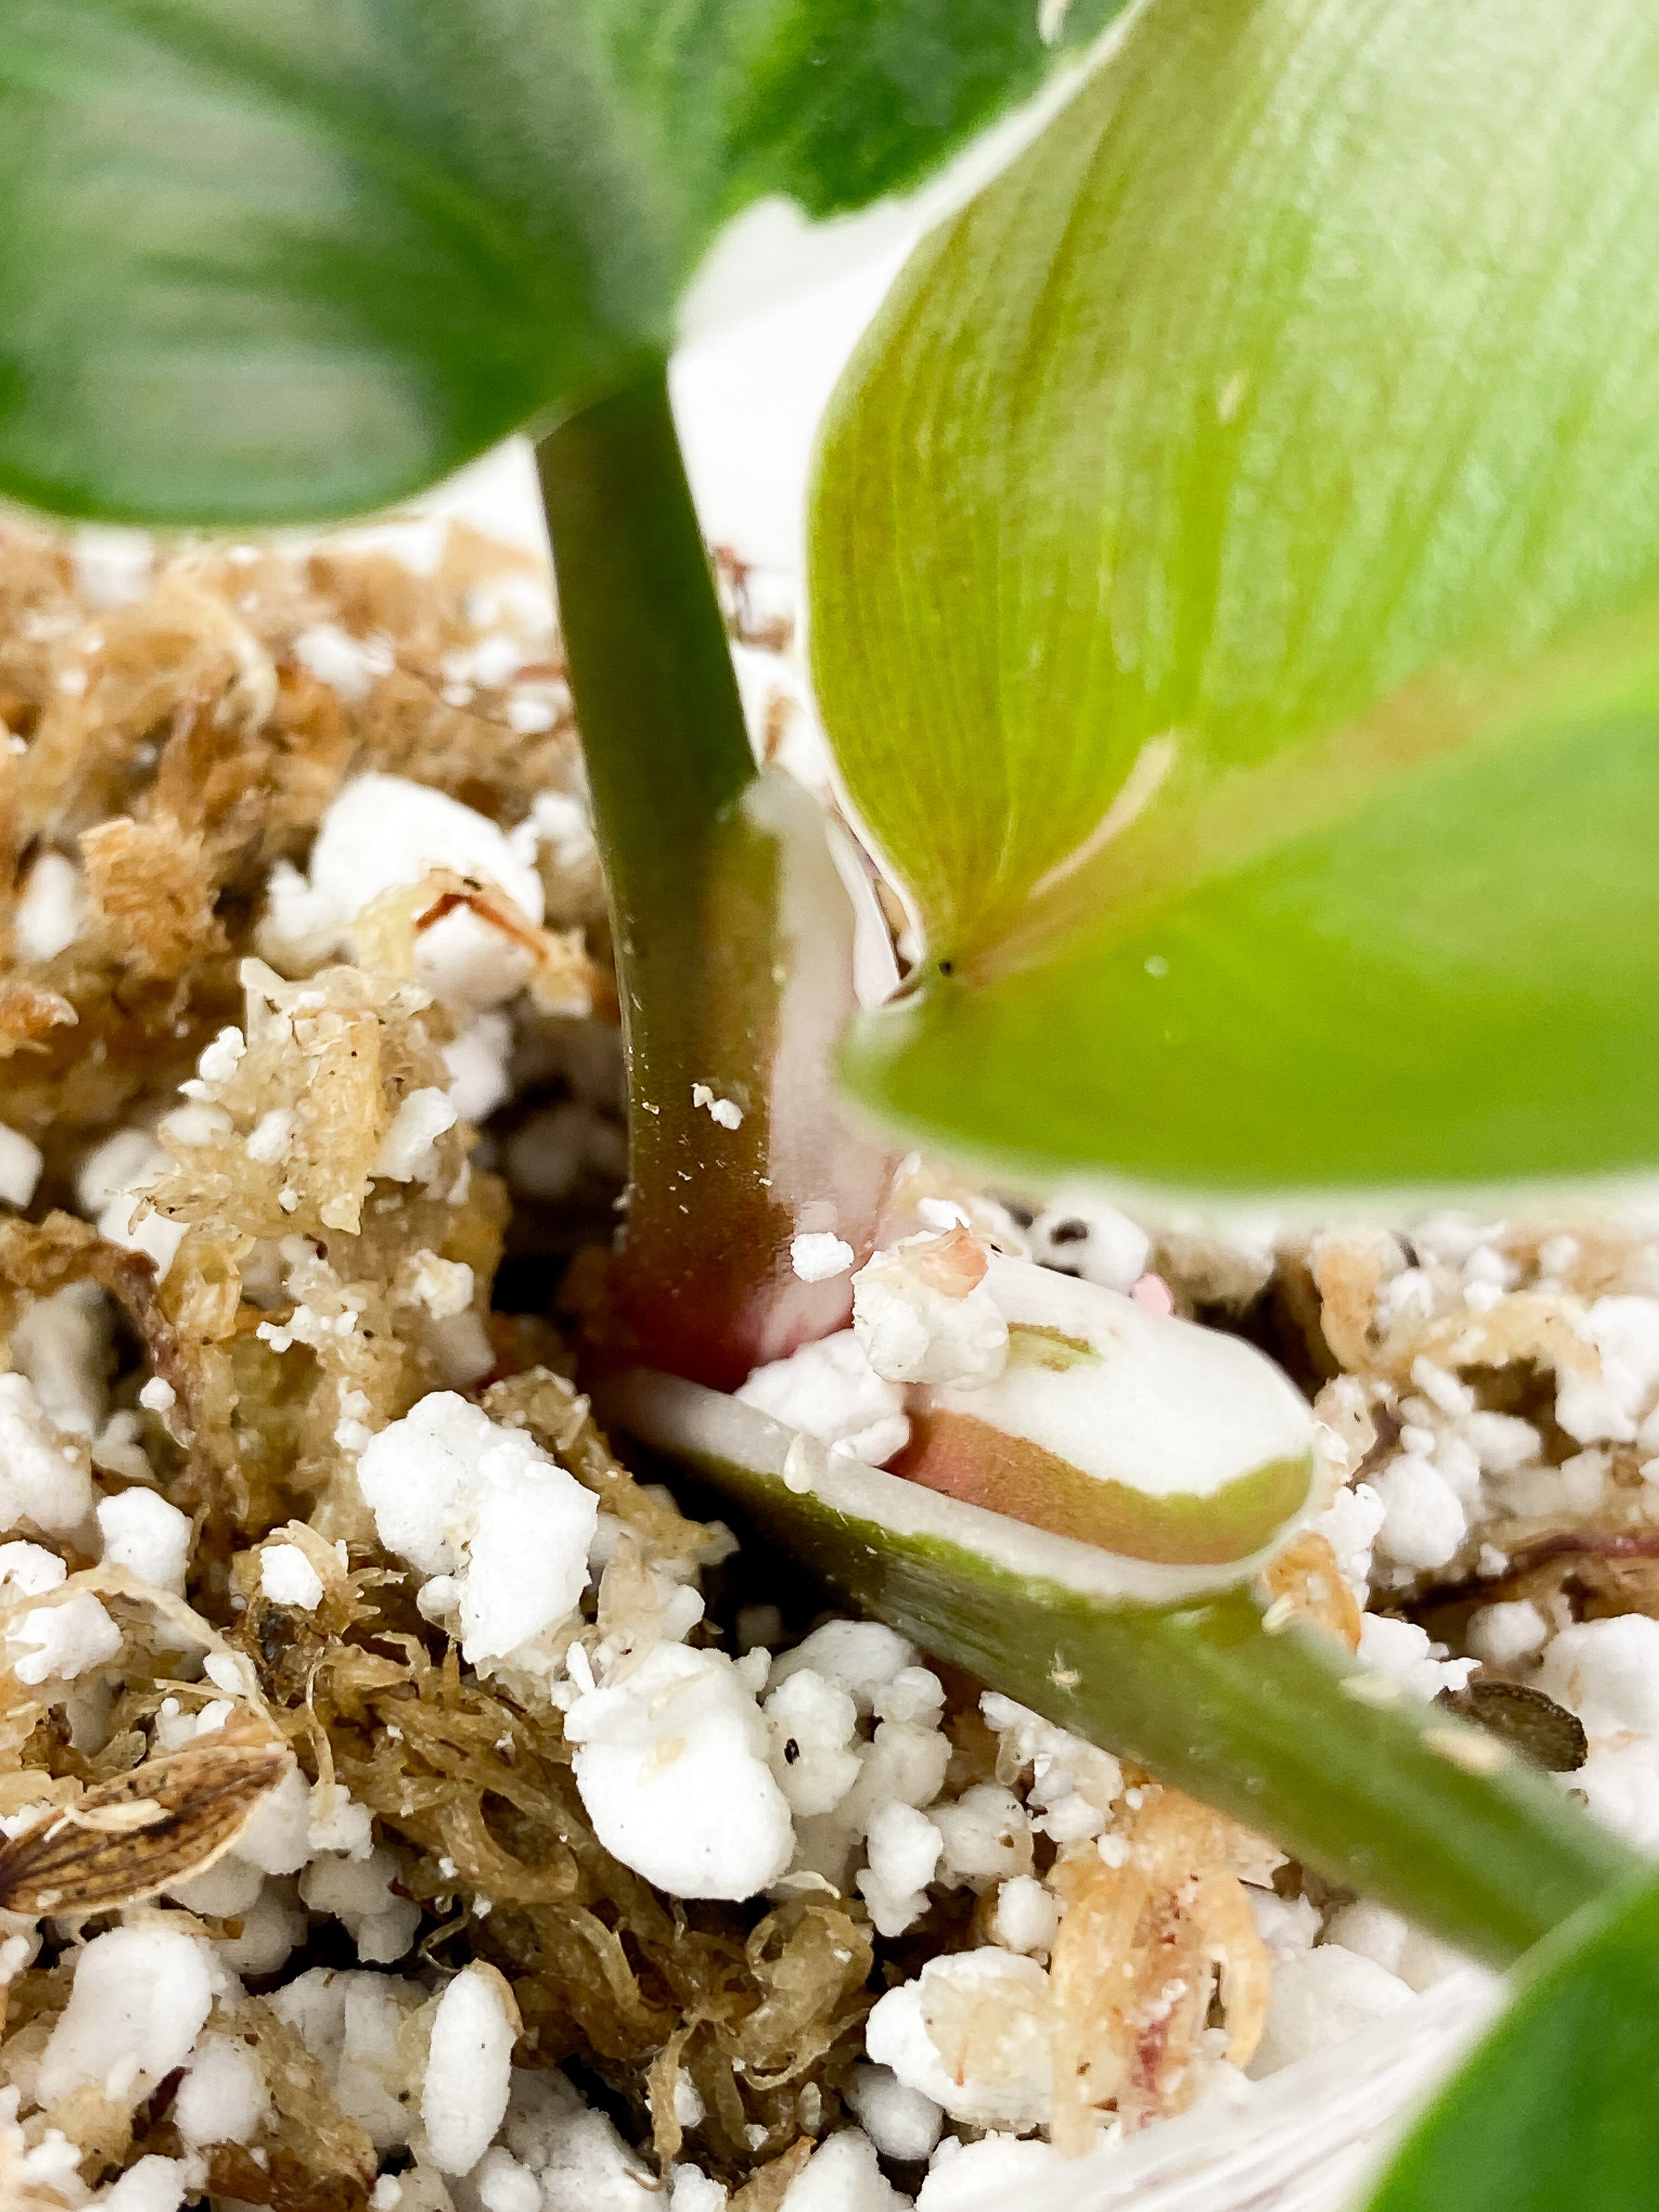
pixel 1556 2107
pixel 296 259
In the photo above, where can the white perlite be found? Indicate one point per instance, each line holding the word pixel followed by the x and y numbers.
pixel 139 2000
pixel 919 1319
pixel 358 1892
pixel 62 1344
pixel 971 2033
pixel 1402 1650
pixel 60 1642
pixel 479 1077
pixel 469 2068
pixel 143 1533
pixel 830 1391
pixel 819 1256
pixel 287 1577
pixel 903 1846
pixel 28 1571
pixel 124 1222
pixel 901 2122
pixel 1320 1997
pixel 1607 1671
pixel 52 908
pixel 151 2185
pixel 842 2176
pixel 672 1768
pixel 420 1120
pixel 382 831
pixel 998 2170
pixel 725 1113
pixel 484 1512
pixel 814 1724
pixel 21 1163
pixel 575 2153
pixel 222 2097
pixel 44 1480
pixel 1079 1234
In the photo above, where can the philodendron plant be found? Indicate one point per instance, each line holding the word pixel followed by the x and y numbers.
pixel 1235 602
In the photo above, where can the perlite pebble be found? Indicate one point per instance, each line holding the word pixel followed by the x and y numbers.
pixel 671 1763
pixel 28 1571
pixel 903 1847
pixel 358 1892
pixel 829 1390
pixel 986 1835
pixel 20 1166
pixel 861 1655
pixel 1402 1650
pixel 1027 1915
pixel 152 2184
pixel 914 1332
pixel 818 1256
pixel 575 2153
pixel 1320 1997
pixel 145 1534
pixel 504 2185
pixel 691 2189
pixel 469 2069
pixel 1371 1931
pixel 1500 1635
pixel 350 2023
pixel 383 830
pixel 137 2003
pixel 62 1642
pixel 1605 1407
pixel 287 1577
pixel 1079 1234
pixel 50 913
pixel 814 1724
pixel 459 1496
pixel 45 1481
pixel 422 1118
pixel 842 2176
pixel 1006 2001
pixel 998 2169
pixel 901 2123
pixel 1607 1673
pixel 222 2097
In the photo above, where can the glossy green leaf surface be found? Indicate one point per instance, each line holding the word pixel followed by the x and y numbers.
pixel 1235 609
pixel 1555 2108
pixel 296 258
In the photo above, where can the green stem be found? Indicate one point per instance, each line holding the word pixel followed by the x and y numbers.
pixel 1398 1801
pixel 696 875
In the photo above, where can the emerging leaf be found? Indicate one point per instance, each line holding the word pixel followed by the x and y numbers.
pixel 1235 609
pixel 299 257
pixel 1146 1435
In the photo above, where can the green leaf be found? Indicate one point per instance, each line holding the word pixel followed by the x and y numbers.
pixel 1235 609
pixel 1556 2107
pixel 1174 1669
pixel 272 261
